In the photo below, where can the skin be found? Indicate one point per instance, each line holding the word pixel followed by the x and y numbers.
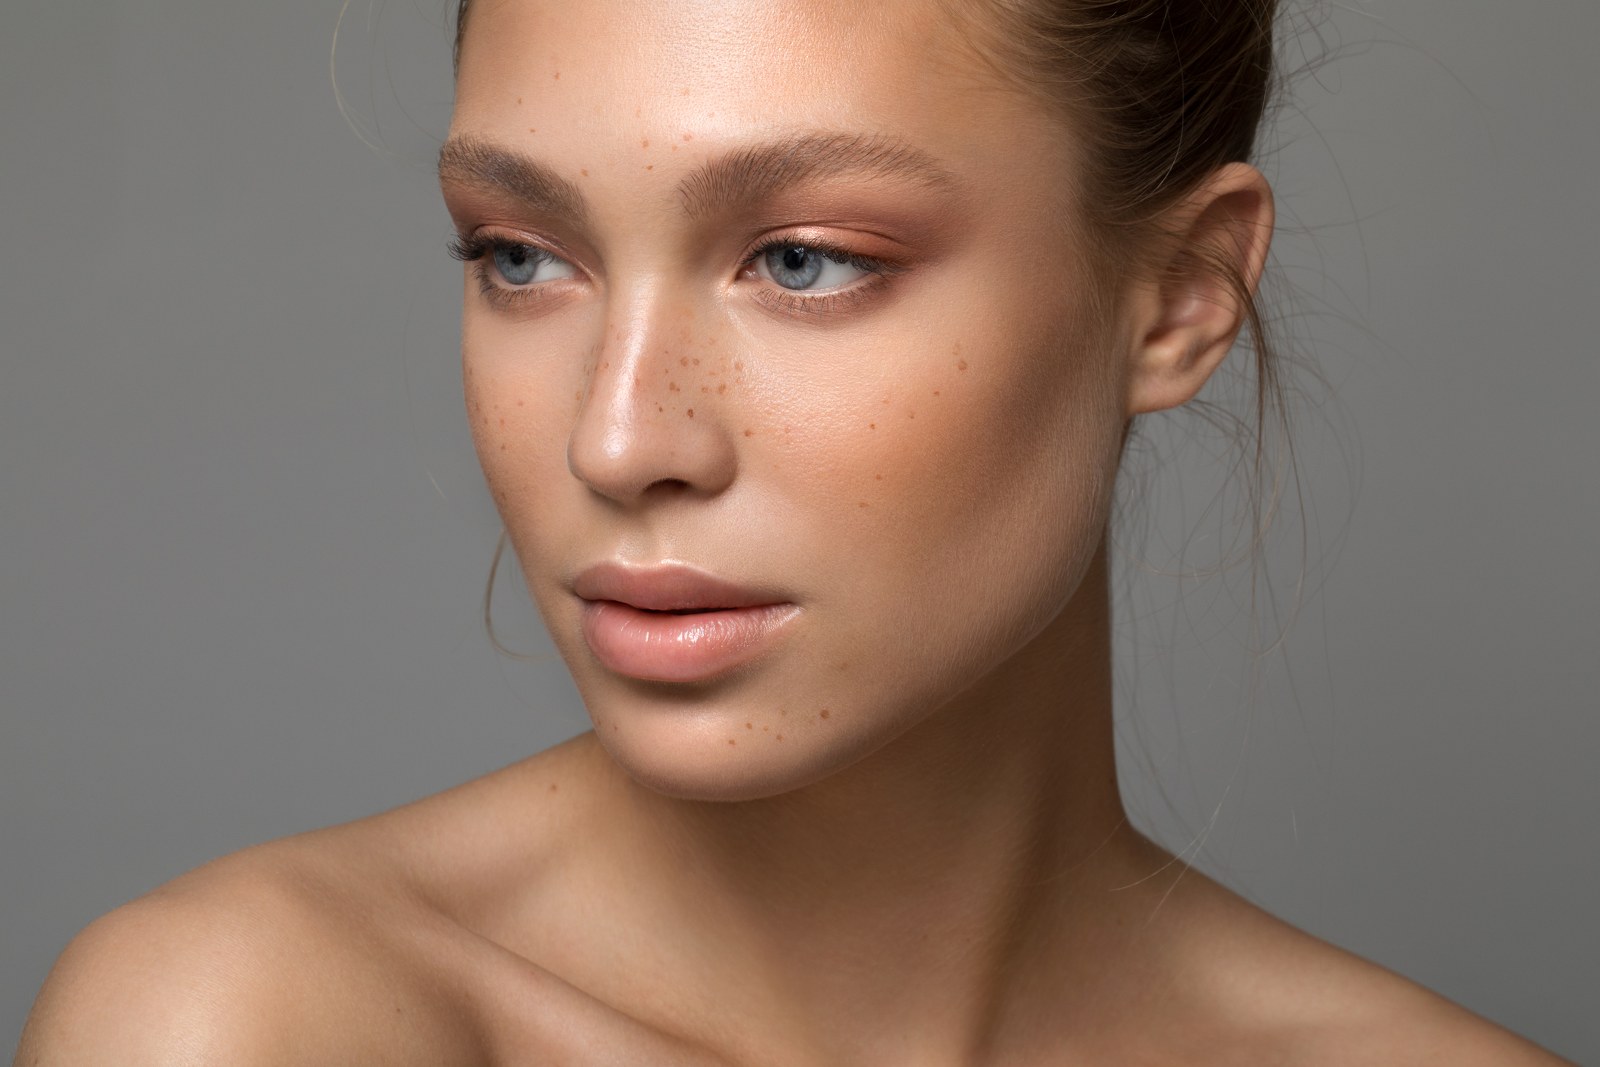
pixel 896 838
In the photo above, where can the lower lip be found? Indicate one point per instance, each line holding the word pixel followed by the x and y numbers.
pixel 659 646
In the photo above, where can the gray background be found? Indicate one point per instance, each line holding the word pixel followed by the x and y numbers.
pixel 242 534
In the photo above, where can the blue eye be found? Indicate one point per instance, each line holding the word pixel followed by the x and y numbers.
pixel 524 264
pixel 797 266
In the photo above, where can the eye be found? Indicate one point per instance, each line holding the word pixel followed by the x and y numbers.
pixel 802 267
pixel 515 264
pixel 521 265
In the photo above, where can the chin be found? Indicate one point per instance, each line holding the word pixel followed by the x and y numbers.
pixel 684 751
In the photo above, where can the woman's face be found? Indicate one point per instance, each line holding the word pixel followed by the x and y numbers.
pixel 786 295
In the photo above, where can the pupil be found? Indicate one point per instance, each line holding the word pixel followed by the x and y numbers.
pixel 795 258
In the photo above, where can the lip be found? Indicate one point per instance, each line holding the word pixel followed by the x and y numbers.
pixel 675 623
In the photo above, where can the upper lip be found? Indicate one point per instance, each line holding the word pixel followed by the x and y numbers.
pixel 668 587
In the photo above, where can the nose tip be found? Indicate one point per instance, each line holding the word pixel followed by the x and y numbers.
pixel 635 438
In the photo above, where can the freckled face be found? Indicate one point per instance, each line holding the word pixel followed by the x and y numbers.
pixel 872 392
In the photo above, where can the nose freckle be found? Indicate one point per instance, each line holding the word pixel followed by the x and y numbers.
pixel 749 433
pixel 690 413
pixel 823 713
pixel 961 365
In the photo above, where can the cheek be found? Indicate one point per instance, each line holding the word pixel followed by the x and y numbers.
pixel 966 498
pixel 520 401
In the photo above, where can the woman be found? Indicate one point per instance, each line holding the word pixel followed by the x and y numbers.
pixel 800 345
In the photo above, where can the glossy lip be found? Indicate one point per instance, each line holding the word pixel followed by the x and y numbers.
pixel 675 623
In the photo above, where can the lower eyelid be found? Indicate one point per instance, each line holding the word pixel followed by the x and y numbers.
pixel 827 302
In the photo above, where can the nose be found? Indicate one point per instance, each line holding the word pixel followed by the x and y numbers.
pixel 648 424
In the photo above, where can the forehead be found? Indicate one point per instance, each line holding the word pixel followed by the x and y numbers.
pixel 603 77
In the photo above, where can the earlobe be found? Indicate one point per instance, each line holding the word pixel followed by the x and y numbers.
pixel 1189 312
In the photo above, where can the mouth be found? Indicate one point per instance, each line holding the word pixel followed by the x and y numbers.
pixel 673 623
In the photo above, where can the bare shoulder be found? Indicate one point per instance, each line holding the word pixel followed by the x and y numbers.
pixel 348 944
pixel 250 959
pixel 1309 1003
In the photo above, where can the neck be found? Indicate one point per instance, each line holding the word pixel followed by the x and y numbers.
pixel 910 893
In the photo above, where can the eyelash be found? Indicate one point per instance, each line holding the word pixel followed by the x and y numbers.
pixel 477 250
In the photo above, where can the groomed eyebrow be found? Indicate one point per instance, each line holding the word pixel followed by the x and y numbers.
pixel 741 178
pixel 470 161
pixel 750 175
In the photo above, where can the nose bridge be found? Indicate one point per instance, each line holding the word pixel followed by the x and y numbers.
pixel 647 418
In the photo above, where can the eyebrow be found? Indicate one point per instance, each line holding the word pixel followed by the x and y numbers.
pixel 470 161
pixel 740 178
pixel 750 175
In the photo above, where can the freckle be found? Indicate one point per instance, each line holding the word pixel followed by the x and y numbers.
pixel 962 365
pixel 936 392
pixel 738 364
pixel 558 75
pixel 823 713
pixel 645 143
pixel 956 351
pixel 683 361
pixel 660 408
pixel 673 386
pixel 731 741
pixel 690 413
pixel 674 148
pixel 688 136
pixel 554 788
pixel 872 426
pixel 532 130
pixel 695 362
pixel 651 167
pixel 877 477
pixel 606 365
pixel 502 448
pixel 911 414
pixel 614 727
pixel 723 388
pixel 861 504
pixel 783 711
pixel 749 433
pixel 705 389
pixel 585 173
pixel 766 729
pixel 502 420
pixel 780 737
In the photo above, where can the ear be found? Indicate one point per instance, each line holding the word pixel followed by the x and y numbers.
pixel 1187 311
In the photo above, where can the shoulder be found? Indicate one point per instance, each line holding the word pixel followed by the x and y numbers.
pixel 251 959
pixel 356 943
pixel 1330 1007
pixel 1390 1020
pixel 1282 995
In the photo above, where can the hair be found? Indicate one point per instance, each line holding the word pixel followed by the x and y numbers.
pixel 1163 93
